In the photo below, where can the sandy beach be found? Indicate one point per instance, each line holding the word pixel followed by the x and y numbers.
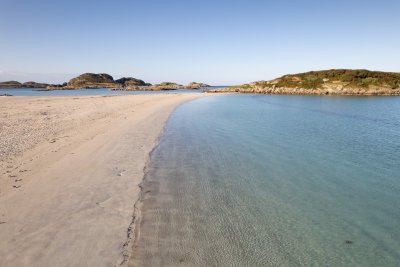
pixel 70 170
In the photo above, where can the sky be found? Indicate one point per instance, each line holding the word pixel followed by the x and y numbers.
pixel 219 42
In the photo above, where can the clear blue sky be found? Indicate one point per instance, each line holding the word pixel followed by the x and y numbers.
pixel 213 41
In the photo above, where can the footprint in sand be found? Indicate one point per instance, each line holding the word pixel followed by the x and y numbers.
pixel 119 172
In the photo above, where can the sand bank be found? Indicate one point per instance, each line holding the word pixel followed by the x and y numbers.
pixel 70 169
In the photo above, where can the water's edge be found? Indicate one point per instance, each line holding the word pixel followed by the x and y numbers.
pixel 230 183
pixel 133 230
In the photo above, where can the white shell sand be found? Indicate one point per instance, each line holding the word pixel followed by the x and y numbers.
pixel 70 169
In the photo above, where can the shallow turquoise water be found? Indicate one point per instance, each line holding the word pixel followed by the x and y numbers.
pixel 260 180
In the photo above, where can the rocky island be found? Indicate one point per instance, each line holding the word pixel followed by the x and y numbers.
pixel 102 80
pixel 140 85
pixel 160 86
pixel 10 84
pixel 196 85
pixel 15 84
pixel 92 80
pixel 325 82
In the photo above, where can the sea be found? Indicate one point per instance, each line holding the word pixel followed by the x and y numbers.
pixel 77 92
pixel 274 180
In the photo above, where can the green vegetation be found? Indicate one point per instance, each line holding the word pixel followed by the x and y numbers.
pixel 316 80
pixel 325 82
pixel 352 78
pixel 10 84
pixel 243 86
pixel 166 84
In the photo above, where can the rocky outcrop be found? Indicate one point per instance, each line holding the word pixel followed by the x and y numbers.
pixel 15 84
pixel 167 86
pixel 157 87
pixel 92 80
pixel 326 90
pixel 195 85
pixel 103 80
pixel 330 82
pixel 35 85
pixel 174 86
pixel 56 86
pixel 130 83
pixel 10 84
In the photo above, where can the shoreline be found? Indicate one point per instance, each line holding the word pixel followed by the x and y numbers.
pixel 298 91
pixel 133 232
pixel 73 205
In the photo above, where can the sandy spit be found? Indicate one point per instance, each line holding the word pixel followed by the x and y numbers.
pixel 69 174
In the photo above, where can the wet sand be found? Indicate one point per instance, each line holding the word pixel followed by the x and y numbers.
pixel 70 169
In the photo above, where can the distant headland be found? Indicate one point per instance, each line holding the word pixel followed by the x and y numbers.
pixel 325 82
pixel 102 80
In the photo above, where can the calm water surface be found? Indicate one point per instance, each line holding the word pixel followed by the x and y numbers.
pixel 100 91
pixel 255 180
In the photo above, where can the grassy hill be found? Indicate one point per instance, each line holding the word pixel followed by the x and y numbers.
pixel 351 78
pixel 335 82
